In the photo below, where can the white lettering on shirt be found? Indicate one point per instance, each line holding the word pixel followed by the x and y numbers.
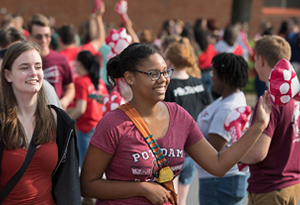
pixel 145 155
pixel 172 153
pixel 187 90
pixel 179 153
pixel 51 74
pixel 295 121
pixel 164 151
pixel 136 157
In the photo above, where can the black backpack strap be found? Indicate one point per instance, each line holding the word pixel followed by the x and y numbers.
pixel 14 180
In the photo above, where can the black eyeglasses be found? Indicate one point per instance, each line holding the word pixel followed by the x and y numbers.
pixel 154 75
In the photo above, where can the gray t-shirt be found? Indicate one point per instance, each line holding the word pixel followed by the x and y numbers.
pixel 51 96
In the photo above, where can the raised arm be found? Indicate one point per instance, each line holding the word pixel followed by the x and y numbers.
pixel 121 9
pixel 219 163
pixel 97 29
pixel 131 31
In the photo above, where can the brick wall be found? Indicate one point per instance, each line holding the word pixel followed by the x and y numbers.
pixel 144 14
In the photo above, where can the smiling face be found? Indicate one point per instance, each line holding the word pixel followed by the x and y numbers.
pixel 26 74
pixel 41 35
pixel 145 88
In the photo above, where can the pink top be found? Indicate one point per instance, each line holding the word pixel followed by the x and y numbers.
pixel 133 160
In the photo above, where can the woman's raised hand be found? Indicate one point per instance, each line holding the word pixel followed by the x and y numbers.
pixel 263 111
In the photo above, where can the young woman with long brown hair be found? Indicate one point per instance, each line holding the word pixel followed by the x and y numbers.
pixel 27 122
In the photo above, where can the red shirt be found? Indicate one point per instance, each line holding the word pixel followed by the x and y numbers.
pixel 35 186
pixel 93 113
pixel 238 50
pixel 206 57
pixel 71 54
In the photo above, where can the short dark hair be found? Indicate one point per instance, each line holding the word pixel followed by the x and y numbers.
pixel 128 60
pixel 10 35
pixel 232 69
pixel 230 35
pixel 67 33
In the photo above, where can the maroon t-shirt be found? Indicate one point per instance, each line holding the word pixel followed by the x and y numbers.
pixel 57 71
pixel 133 160
pixel 281 167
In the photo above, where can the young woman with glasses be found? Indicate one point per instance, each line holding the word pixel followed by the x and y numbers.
pixel 118 149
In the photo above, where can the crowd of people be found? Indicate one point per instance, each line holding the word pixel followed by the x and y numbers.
pixel 59 146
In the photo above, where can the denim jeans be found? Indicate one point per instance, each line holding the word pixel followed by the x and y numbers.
pixel 206 78
pixel 188 171
pixel 83 141
pixel 223 191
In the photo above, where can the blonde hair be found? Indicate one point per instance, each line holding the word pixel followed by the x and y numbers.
pixel 146 36
pixel 272 48
pixel 167 40
pixel 193 70
pixel 179 54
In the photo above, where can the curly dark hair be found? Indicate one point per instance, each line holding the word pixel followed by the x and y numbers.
pixel 231 69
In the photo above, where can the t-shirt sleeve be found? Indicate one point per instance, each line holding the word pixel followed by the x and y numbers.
pixel 194 135
pixel 107 134
pixel 217 124
pixel 273 120
pixel 81 91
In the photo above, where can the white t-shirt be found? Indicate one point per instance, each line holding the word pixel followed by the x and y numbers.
pixel 222 46
pixel 211 121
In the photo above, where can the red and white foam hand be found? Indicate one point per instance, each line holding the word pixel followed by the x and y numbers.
pixel 111 102
pixel 118 40
pixel 235 122
pixel 283 83
pixel 97 5
pixel 121 9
